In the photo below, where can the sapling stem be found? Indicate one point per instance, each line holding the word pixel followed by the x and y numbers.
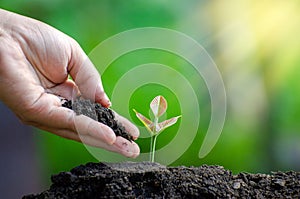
pixel 153 139
pixel 153 148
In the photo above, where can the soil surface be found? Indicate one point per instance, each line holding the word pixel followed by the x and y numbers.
pixel 152 180
pixel 98 113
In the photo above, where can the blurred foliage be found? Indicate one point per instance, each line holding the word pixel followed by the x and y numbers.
pixel 255 45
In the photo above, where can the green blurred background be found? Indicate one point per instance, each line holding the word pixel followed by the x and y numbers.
pixel 255 44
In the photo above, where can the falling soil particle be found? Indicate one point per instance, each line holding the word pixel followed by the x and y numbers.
pixel 152 180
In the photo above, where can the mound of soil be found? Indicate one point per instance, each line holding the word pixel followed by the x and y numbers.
pixel 98 113
pixel 152 180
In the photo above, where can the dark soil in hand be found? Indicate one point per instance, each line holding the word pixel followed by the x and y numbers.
pixel 98 113
pixel 152 180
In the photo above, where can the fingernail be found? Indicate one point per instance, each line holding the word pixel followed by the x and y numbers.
pixel 106 100
pixel 110 137
pixel 135 137
pixel 136 153
pixel 101 96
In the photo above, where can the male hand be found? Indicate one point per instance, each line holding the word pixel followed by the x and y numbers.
pixel 35 63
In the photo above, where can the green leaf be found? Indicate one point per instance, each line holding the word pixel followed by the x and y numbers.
pixel 147 123
pixel 158 106
pixel 167 123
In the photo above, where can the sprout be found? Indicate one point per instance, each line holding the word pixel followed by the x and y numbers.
pixel 158 107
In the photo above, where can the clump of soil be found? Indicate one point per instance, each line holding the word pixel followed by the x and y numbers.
pixel 99 113
pixel 152 180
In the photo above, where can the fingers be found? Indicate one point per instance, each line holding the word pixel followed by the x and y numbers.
pixel 121 146
pixel 65 123
pixel 125 147
pixel 87 126
pixel 98 135
pixel 130 128
pixel 86 76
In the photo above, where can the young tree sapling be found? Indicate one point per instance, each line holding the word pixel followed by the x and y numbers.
pixel 158 107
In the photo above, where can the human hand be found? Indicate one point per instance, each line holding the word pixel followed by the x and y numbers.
pixel 35 63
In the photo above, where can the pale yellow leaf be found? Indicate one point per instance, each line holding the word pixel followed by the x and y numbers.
pixel 146 122
pixel 167 123
pixel 158 106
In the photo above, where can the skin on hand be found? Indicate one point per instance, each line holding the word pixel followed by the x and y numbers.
pixel 35 63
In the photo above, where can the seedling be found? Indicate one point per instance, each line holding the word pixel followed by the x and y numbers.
pixel 158 107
